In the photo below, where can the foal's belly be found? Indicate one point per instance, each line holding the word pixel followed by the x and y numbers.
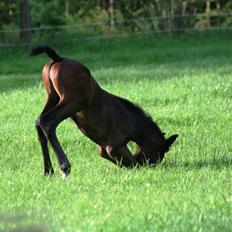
pixel 105 124
pixel 96 132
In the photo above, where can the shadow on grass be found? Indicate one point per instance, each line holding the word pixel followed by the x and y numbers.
pixel 13 82
pixel 216 164
pixel 10 83
pixel 147 51
pixel 180 122
pixel 17 223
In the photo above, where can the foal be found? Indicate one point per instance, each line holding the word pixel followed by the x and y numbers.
pixel 108 120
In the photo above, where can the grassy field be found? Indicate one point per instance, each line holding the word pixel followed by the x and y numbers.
pixel 184 83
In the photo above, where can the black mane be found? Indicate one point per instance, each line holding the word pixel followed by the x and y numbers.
pixel 145 118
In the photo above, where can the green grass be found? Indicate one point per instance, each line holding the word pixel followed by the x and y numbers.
pixel 184 83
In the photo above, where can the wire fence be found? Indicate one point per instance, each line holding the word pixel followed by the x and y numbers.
pixel 174 24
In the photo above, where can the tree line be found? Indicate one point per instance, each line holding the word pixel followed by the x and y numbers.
pixel 108 16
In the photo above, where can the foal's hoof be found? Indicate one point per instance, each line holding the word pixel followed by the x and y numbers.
pixel 64 174
pixel 49 172
pixel 65 171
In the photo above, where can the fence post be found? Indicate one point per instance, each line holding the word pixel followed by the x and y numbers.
pixel 25 21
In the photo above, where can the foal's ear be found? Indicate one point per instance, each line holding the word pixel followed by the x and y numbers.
pixel 170 141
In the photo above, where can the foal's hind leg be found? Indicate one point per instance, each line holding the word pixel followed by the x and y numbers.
pixel 49 122
pixel 52 101
pixel 48 169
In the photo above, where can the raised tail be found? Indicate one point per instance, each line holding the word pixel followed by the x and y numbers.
pixel 46 49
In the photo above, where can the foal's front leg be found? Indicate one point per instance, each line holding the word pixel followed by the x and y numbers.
pixel 102 152
pixel 140 156
pixel 122 155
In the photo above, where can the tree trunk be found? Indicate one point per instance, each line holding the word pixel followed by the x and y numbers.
pixel 159 15
pixel 111 13
pixel 66 9
pixel 218 11
pixel 25 21
pixel 207 11
pixel 177 16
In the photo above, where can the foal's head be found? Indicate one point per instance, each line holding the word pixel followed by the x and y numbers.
pixel 149 137
pixel 157 149
pixel 153 149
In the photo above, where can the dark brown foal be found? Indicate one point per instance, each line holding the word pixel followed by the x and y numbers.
pixel 108 120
